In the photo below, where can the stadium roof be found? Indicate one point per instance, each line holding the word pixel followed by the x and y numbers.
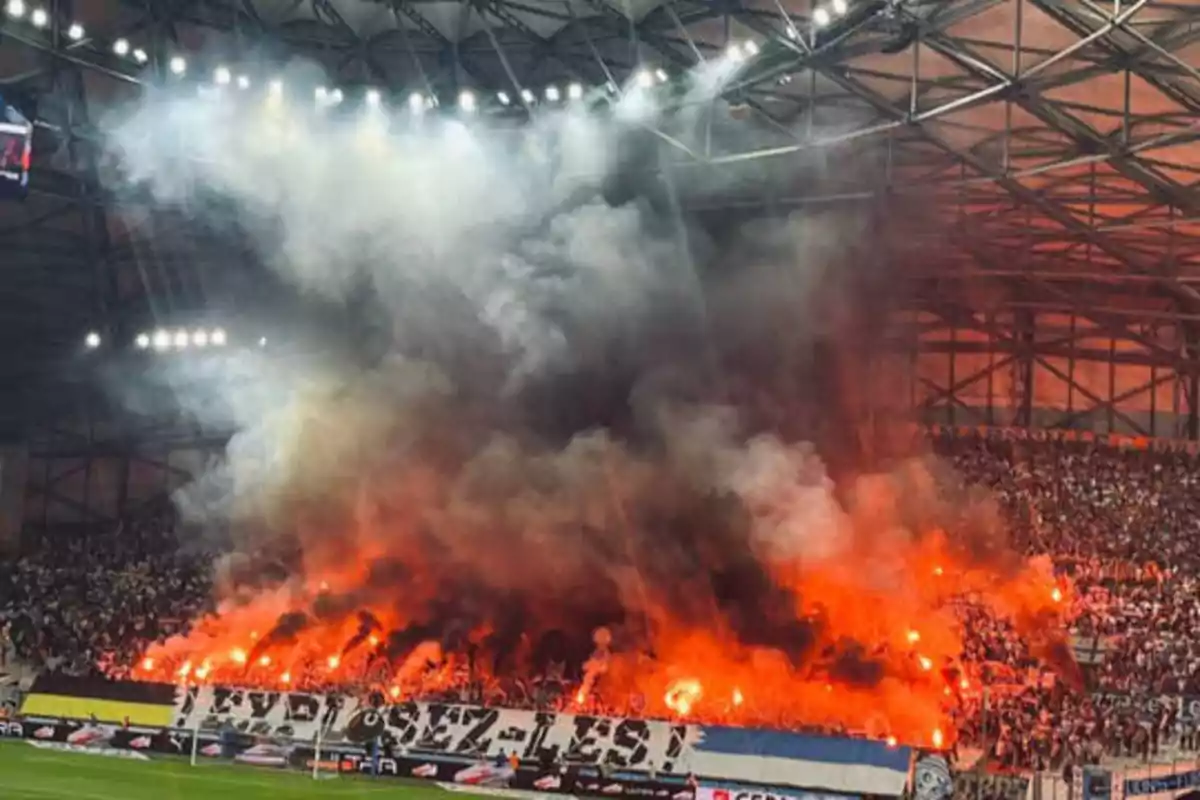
pixel 1061 136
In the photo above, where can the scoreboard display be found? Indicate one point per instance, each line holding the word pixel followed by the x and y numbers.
pixel 16 150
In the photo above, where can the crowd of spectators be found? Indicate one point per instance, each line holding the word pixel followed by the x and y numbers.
pixel 79 600
pixel 1123 523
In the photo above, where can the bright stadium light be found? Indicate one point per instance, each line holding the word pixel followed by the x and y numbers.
pixel 243 82
pixel 751 48
pixel 142 341
pixel 575 91
pixel 121 47
pixel 39 18
pixel 820 17
pixel 840 7
pixel 661 75
pixel 374 98
pixel 416 102
pixel 643 79
pixel 552 93
pixel 140 56
pixel 527 96
pixel 336 96
pixel 503 98
pixel 162 339
pixel 15 8
pixel 218 337
pixel 222 76
pixel 75 32
pixel 275 88
pixel 177 65
pixel 181 339
pixel 466 101
pixel 200 338
pixel 92 340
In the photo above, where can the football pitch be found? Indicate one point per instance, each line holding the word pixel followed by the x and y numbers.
pixel 27 773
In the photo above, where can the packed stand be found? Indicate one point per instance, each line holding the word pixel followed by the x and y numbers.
pixel 1124 524
pixel 81 601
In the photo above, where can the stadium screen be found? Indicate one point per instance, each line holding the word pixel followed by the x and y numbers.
pixel 16 150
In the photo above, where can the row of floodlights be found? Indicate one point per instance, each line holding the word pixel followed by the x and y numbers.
pixel 823 15
pixel 163 339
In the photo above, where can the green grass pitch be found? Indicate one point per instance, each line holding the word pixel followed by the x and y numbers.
pixel 27 773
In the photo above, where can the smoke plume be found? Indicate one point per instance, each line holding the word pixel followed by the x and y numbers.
pixel 557 422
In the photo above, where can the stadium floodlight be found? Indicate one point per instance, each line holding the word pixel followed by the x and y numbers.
pixel 200 338
pixel 416 102
pixel 181 339
pixel 142 341
pixel 643 79
pixel 661 75
pixel 575 91
pixel 177 65
pixel 262 341
pixel 820 17
pixel 374 98
pixel 466 101
pixel 336 96
pixel 527 97
pixel 243 82
pixel 75 32
pixel 140 56
pixel 92 340
pixel 840 7
pixel 162 339
pixel 503 98
pixel 121 47
pixel 39 18
pixel 218 337
pixel 222 76
pixel 275 88
pixel 750 48
pixel 15 8
pixel 792 33
pixel 552 93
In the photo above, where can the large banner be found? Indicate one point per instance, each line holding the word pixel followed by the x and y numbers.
pixel 438 731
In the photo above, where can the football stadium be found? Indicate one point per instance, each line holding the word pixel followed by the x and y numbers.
pixel 672 399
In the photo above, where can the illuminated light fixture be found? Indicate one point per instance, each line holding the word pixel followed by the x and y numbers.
pixel 552 94
pixel 275 88
pixel 610 87
pixel 121 47
pixel 820 17
pixel 575 91
pixel 222 76
pixel 262 341
pixel 792 33
pixel 321 94
pixel 336 96
pixel 162 339
pixel 218 337
pixel 750 48
pixel 177 65
pixel 840 7
pixel 142 341
pixel 374 98
pixel 527 96
pixel 15 8
pixel 503 98
pixel 181 339
pixel 75 32
pixel 661 74
pixel 140 56
pixel 416 102
pixel 734 51
pixel 643 79
pixel 92 340
pixel 243 82
pixel 466 100
pixel 39 18
pixel 200 338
